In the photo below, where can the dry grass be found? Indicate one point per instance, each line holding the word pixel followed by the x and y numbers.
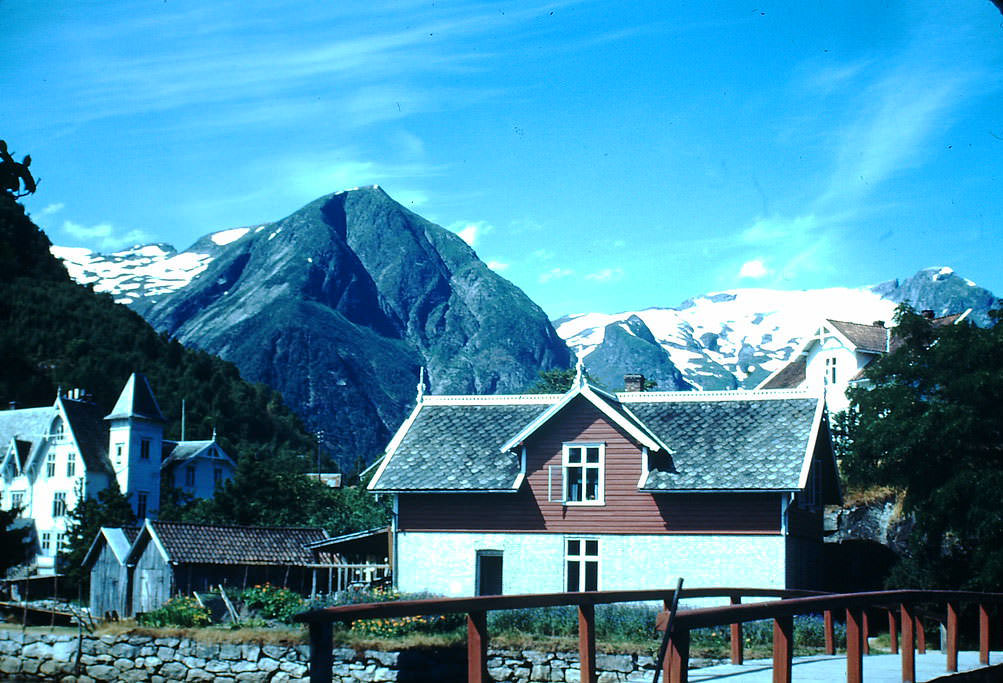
pixel 265 636
pixel 874 495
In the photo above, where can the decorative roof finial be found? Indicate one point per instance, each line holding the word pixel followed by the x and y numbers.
pixel 421 385
pixel 580 372
pixel 214 432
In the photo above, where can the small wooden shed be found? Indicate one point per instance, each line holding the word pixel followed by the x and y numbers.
pixel 106 560
pixel 170 558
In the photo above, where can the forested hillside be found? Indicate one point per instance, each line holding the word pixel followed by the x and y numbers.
pixel 55 333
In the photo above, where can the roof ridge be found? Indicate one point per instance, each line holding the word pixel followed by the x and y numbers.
pixel 237 526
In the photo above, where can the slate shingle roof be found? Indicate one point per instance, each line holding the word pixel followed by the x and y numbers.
pixel 26 424
pixel 715 443
pixel 137 400
pixel 730 445
pixel 790 376
pixel 209 544
pixel 91 432
pixel 873 338
pixel 457 447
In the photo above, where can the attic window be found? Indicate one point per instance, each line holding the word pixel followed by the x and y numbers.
pixel 58 431
pixel 582 465
pixel 830 370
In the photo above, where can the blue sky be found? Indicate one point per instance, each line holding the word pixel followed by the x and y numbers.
pixel 603 156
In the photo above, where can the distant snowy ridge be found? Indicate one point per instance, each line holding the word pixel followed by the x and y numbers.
pixel 736 338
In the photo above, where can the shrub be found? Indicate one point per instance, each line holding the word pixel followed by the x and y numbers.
pixel 272 602
pixel 178 611
pixel 391 627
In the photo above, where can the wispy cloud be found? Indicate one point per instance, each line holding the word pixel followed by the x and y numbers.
pixel 471 232
pixel 53 208
pixel 498 266
pixel 605 275
pixel 555 274
pixel 104 236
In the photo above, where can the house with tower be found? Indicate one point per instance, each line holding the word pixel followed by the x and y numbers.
pixel 54 456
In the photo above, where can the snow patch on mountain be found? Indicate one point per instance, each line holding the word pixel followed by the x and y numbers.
pixel 224 237
pixel 744 333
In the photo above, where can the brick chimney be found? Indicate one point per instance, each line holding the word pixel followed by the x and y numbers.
pixel 633 382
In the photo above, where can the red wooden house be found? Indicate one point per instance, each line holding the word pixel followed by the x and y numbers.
pixel 591 490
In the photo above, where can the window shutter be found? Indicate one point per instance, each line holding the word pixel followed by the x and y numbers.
pixel 555 483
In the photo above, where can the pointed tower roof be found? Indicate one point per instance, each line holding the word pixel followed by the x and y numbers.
pixel 136 400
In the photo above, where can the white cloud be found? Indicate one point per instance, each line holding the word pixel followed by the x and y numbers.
pixel 471 232
pixel 542 254
pixel 605 275
pixel 104 235
pixel 53 208
pixel 555 274
pixel 754 269
pixel 498 266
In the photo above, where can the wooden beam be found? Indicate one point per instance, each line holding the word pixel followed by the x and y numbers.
pixel 983 634
pixel 587 643
pixel 893 631
pixel 477 647
pixel 920 636
pixel 321 646
pixel 830 641
pixel 783 648
pixel 908 644
pixel 737 646
pixel 952 636
pixel 677 659
pixel 854 653
pixel 865 638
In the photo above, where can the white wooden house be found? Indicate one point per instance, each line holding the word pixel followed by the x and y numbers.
pixel 51 457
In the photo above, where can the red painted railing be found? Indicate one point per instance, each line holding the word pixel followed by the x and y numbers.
pixel 476 609
pixel 902 607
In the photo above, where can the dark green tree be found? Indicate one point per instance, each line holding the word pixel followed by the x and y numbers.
pixel 111 508
pixel 930 427
pixel 14 540
pixel 557 381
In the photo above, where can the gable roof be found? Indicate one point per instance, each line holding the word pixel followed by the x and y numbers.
pixel 175 452
pixel 119 539
pixel 789 376
pixel 212 544
pixel 90 431
pixel 711 440
pixel 28 425
pixel 870 338
pixel 136 400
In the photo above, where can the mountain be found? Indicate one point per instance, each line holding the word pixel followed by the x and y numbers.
pixel 54 332
pixel 337 307
pixel 736 338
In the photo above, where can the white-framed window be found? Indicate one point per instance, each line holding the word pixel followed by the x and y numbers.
pixel 581 564
pixel 71 464
pixel 190 475
pixel 60 543
pixel 141 498
pixel 50 464
pixel 46 542
pixel 582 466
pixel 58 431
pixel 59 504
pixel 830 370
pixel 144 449
pixel 118 454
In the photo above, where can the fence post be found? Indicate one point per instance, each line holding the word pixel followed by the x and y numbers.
pixel 587 643
pixel 830 640
pixel 920 635
pixel 865 639
pixel 893 631
pixel 737 646
pixel 854 655
pixel 477 647
pixel 783 648
pixel 677 659
pixel 908 644
pixel 321 646
pixel 952 636
pixel 983 634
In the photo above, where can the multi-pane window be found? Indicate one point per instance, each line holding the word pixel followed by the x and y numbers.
pixel 830 370
pixel 59 504
pixel 190 475
pixel 16 499
pixel 118 454
pixel 46 542
pixel 583 470
pixel 58 432
pixel 71 465
pixel 50 464
pixel 60 541
pixel 144 449
pixel 141 499
pixel 581 557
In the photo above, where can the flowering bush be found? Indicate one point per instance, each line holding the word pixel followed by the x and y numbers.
pixel 272 602
pixel 178 611
pixel 396 626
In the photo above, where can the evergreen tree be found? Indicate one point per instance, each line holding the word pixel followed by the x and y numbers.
pixel 14 540
pixel 930 427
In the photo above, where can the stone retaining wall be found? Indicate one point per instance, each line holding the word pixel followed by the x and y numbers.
pixel 54 657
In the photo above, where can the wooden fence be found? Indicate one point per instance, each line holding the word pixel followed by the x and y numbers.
pixel 338 577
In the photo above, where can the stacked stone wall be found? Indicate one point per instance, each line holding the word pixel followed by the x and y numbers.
pixel 40 656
